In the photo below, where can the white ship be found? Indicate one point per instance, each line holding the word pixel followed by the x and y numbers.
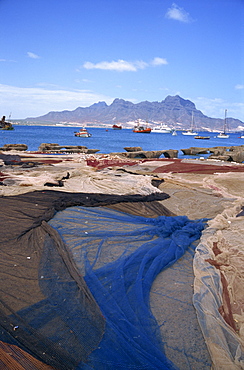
pixel 162 129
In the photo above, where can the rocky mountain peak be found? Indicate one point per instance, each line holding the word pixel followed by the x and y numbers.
pixel 98 105
pixel 173 110
pixel 177 100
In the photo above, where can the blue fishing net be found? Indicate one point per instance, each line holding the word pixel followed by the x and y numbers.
pixel 139 270
pixel 98 281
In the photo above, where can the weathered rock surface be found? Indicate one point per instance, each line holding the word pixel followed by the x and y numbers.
pixel 223 153
pixel 229 154
pixel 195 150
pixel 133 149
pixel 56 148
pixel 19 147
pixel 4 125
pixel 171 153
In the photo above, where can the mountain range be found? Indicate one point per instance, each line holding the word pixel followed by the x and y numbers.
pixel 173 111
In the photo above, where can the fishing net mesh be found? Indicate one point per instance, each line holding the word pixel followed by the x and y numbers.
pixel 92 281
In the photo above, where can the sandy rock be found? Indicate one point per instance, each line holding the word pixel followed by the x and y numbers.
pixel 195 150
pixel 133 149
pixel 18 147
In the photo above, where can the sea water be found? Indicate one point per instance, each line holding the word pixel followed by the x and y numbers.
pixel 109 140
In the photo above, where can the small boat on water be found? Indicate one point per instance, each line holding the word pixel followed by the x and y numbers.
pixel 202 137
pixel 162 129
pixel 191 131
pixel 83 133
pixel 141 127
pixel 224 135
pixel 117 127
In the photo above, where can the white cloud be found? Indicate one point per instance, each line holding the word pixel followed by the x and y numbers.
pixel 36 101
pixel 123 65
pixel 7 60
pixel 119 65
pixel 46 85
pixel 158 61
pixel 239 87
pixel 32 55
pixel 178 14
pixel 216 107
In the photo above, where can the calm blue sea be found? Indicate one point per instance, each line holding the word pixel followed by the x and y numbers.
pixel 110 140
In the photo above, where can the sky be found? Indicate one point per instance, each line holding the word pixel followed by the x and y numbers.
pixel 58 55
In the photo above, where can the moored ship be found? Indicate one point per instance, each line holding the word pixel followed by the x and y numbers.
pixel 83 133
pixel 117 127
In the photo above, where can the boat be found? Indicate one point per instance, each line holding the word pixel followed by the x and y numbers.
pixel 174 133
pixel 83 133
pixel 202 137
pixel 116 127
pixel 191 130
pixel 162 129
pixel 224 135
pixel 142 129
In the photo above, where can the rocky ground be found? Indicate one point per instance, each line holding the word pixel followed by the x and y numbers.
pixel 212 189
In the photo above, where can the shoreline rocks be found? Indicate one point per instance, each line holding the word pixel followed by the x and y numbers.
pixel 4 125
pixel 56 148
pixel 223 153
pixel 18 147
pixel 137 152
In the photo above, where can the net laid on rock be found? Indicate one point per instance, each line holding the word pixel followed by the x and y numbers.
pixel 120 256
pixel 96 287
pixel 218 288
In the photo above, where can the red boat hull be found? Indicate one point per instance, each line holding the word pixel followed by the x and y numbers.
pixel 143 131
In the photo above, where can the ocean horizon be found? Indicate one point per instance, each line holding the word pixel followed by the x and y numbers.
pixel 107 140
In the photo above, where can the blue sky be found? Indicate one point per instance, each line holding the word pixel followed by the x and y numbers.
pixel 62 54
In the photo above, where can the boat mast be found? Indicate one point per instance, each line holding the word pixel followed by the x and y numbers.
pixel 192 121
pixel 225 121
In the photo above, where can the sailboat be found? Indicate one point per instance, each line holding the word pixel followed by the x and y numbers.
pixel 190 131
pixel 224 135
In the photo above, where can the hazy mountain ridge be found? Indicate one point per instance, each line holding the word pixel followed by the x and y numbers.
pixel 174 111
